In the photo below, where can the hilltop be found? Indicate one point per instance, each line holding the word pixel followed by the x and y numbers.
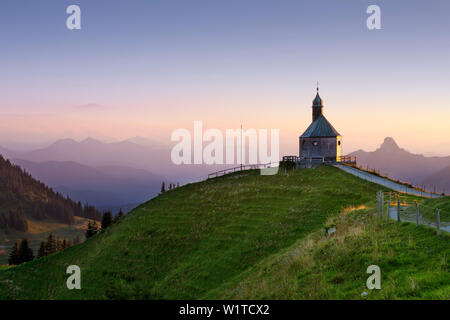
pixel 297 235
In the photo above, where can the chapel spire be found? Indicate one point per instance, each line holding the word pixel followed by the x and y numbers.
pixel 317 105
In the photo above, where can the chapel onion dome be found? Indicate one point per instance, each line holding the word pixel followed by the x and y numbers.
pixel 317 102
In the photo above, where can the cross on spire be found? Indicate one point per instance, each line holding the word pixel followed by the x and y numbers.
pixel 317 86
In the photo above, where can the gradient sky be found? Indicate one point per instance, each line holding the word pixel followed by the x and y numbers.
pixel 148 67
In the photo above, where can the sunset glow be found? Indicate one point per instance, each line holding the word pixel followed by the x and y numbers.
pixel 256 66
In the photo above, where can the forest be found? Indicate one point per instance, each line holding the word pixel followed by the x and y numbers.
pixel 22 197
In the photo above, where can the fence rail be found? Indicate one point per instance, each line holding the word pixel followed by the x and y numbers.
pixel 241 168
pixel 291 158
pixel 403 207
pixel 347 159
pixel 344 159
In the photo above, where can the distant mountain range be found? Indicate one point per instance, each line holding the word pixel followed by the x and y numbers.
pixel 102 186
pixel 441 180
pixel 398 163
pixel 108 175
pixel 137 152
pixel 123 174
pixel 95 152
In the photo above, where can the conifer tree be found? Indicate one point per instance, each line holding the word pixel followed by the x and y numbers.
pixel 118 216
pixel 42 250
pixel 64 244
pixel 59 245
pixel 106 220
pixel 89 231
pixel 92 229
pixel 14 254
pixel 25 252
pixel 51 245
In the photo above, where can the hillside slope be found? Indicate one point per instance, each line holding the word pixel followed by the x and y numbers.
pixel 30 209
pixel 204 239
pixel 22 197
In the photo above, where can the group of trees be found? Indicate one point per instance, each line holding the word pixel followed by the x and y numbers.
pixel 20 254
pixel 52 245
pixel 107 221
pixel 21 195
pixel 171 186
pixel 23 253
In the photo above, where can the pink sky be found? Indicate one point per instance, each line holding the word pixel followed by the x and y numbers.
pixel 226 63
pixel 363 122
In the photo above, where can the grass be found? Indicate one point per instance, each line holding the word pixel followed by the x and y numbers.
pixel 209 239
pixel 444 208
pixel 413 263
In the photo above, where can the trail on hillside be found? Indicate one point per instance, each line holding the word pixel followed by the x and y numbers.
pixel 408 214
pixel 386 182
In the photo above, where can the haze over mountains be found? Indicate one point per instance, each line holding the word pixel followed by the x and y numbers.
pixel 95 152
pixel 441 180
pixel 398 163
pixel 102 186
pixel 124 174
pixel 107 175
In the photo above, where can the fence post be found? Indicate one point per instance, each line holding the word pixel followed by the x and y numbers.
pixel 389 207
pixel 398 208
pixel 382 204
pixel 378 202
pixel 438 222
pixel 417 213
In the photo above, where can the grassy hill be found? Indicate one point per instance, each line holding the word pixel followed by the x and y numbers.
pixel 248 236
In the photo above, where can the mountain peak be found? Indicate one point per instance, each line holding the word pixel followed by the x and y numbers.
pixel 90 141
pixel 62 142
pixel 389 144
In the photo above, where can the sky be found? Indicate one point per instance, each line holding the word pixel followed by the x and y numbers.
pixel 146 68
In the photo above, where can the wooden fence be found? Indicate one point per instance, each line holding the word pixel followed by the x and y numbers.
pixel 347 159
pixel 241 168
pixel 389 200
pixel 343 159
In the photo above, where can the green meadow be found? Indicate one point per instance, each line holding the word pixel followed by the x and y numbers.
pixel 300 234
